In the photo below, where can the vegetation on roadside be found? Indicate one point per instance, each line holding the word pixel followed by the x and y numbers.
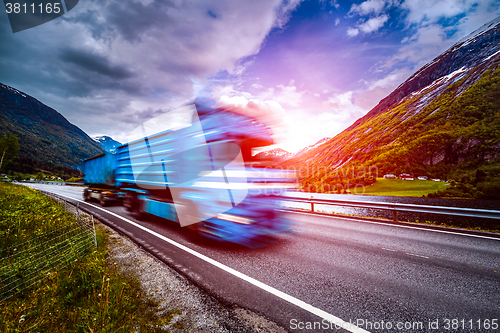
pixel 86 295
pixel 25 168
pixel 404 188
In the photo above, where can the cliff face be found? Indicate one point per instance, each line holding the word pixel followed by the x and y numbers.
pixel 446 113
pixel 44 134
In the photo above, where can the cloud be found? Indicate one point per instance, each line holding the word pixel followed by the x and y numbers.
pixel 391 80
pixel 373 24
pixel 343 106
pixel 268 112
pixel 433 10
pixel 95 63
pixel 270 102
pixel 352 32
pixel 379 88
pixel 138 55
pixel 289 95
pixel 369 7
pixel 372 8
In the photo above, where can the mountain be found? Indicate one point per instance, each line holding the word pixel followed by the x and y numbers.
pixel 443 121
pixel 280 155
pixel 311 147
pixel 107 143
pixel 277 155
pixel 45 136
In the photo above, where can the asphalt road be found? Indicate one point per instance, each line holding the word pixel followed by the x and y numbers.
pixel 380 277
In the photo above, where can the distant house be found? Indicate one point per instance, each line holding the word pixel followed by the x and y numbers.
pixel 422 178
pixel 390 176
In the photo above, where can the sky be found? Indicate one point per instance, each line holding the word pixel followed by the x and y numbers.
pixel 307 68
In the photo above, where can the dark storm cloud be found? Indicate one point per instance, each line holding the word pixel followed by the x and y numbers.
pixel 95 63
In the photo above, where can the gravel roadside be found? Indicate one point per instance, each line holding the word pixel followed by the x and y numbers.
pixel 199 312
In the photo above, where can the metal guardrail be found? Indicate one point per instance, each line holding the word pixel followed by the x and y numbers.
pixel 398 207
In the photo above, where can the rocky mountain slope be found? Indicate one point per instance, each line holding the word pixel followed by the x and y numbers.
pixel 446 115
pixel 44 134
pixel 280 155
pixel 311 147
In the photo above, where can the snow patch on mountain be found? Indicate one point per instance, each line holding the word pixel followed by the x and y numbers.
pixel 491 56
pixel 107 143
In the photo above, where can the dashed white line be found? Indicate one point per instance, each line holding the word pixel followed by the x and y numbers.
pixel 383 248
pixel 416 255
pixel 410 254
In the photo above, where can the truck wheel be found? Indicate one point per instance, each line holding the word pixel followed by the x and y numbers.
pixel 86 195
pixel 129 202
pixel 102 200
pixel 138 210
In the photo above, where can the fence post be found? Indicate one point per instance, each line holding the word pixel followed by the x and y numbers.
pixel 312 205
pixel 93 227
pixel 395 215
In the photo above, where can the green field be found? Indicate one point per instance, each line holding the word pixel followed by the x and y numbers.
pixel 403 188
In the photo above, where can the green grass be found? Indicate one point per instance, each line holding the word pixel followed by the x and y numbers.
pixel 86 295
pixel 403 188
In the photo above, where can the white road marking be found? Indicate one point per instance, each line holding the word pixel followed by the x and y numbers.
pixel 416 255
pixel 301 304
pixel 383 248
pixel 410 254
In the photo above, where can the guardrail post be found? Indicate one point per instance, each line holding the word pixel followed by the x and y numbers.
pixel 395 215
pixel 312 205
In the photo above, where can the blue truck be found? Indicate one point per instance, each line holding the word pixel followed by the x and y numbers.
pixel 202 176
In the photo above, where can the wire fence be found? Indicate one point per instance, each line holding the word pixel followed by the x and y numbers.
pixel 26 264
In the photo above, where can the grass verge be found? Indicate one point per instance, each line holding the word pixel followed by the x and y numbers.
pixel 85 295
pixel 404 188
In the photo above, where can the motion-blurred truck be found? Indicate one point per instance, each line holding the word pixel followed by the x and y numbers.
pixel 202 176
